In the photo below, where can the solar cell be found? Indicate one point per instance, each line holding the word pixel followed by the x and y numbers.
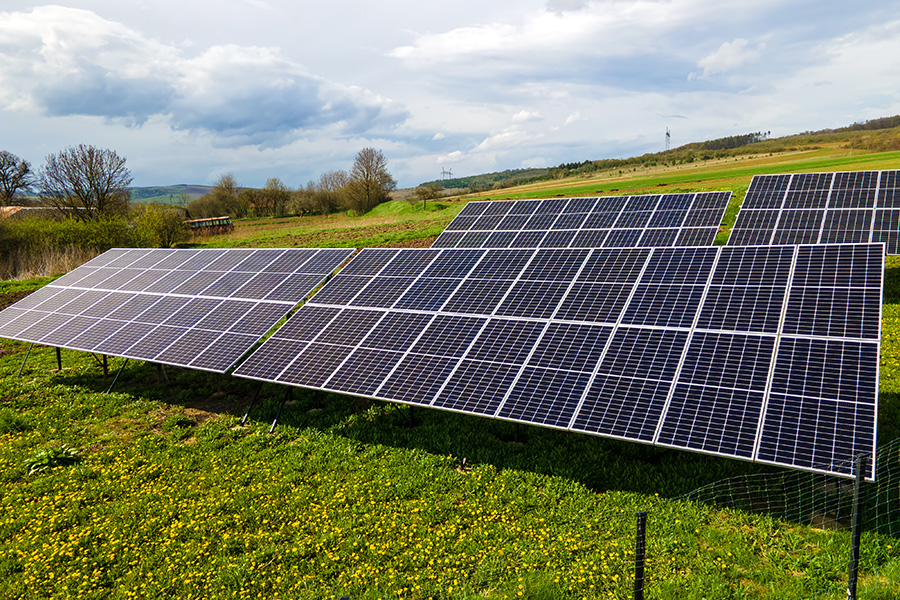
pixel 610 221
pixel 171 306
pixel 703 349
pixel 840 207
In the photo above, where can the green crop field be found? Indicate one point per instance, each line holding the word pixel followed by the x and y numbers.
pixel 155 490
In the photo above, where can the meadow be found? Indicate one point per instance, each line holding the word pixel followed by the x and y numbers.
pixel 155 490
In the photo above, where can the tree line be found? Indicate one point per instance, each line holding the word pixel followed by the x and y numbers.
pixel 88 190
pixel 367 184
pixel 86 183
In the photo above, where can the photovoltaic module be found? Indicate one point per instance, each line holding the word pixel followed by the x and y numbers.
pixel 651 220
pixel 759 353
pixel 809 208
pixel 202 309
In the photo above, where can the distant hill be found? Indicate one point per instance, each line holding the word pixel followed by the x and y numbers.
pixel 167 194
pixel 875 135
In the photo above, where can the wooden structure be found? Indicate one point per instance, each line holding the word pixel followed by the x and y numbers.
pixel 210 226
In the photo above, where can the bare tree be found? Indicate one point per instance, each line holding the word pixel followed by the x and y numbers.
pixel 275 196
pixel 370 181
pixel 225 199
pixel 227 185
pixel 15 176
pixel 86 182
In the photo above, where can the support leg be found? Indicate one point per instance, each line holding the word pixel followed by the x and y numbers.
pixel 58 359
pixel 105 366
pixel 287 398
pixel 116 378
pixel 27 354
pixel 252 402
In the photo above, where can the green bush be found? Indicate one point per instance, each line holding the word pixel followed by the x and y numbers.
pixel 39 247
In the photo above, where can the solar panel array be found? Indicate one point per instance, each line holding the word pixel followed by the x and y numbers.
pixel 195 308
pixel 604 222
pixel 809 208
pixel 760 353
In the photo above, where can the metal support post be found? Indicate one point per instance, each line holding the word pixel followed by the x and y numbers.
pixel 856 534
pixel 639 555
pixel 116 378
pixel 58 359
pixel 105 366
pixel 252 402
pixel 287 398
pixel 27 354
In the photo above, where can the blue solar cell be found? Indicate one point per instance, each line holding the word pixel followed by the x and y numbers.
pixel 622 407
pixel 363 372
pixel 506 341
pixel 716 420
pixel 417 378
pixel 545 397
pixel 477 387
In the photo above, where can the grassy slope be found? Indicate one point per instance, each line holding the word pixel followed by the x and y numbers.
pixel 171 498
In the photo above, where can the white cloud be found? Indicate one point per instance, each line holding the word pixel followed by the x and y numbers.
pixel 487 86
pixel 729 56
pixel 452 157
pixel 66 61
pixel 534 162
pixel 524 116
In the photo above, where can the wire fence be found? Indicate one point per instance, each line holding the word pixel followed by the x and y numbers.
pixel 814 499
pixel 643 567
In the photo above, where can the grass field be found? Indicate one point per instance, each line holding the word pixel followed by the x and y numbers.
pixel 156 491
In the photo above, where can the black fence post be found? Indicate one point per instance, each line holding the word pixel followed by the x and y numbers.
pixel 639 555
pixel 856 527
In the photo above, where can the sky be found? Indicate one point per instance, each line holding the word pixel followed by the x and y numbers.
pixel 187 90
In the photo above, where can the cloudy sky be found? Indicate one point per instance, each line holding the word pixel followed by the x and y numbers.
pixel 190 89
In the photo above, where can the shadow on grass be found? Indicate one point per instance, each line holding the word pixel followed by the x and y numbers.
pixel 598 463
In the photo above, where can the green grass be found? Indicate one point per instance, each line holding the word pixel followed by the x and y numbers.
pixel 13 286
pixel 169 497
pixel 391 222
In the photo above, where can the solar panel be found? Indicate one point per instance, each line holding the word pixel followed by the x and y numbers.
pixel 604 222
pixel 194 308
pixel 760 353
pixel 840 207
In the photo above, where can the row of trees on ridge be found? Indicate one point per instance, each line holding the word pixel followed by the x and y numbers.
pixel 85 182
pixel 366 185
